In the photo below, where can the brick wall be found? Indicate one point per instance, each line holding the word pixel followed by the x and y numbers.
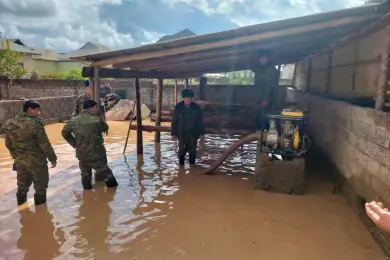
pixel 357 141
pixel 53 109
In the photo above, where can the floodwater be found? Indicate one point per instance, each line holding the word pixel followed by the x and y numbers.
pixel 160 211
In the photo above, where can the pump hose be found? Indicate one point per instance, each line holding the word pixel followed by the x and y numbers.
pixel 246 139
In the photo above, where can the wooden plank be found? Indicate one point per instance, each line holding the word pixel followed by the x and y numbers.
pixel 294 76
pixel 120 74
pixel 167 129
pixel 354 64
pixel 231 42
pixel 383 77
pixel 175 91
pixel 157 135
pixel 301 40
pixel 140 146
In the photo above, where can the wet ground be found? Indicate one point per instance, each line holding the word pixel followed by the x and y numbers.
pixel 160 211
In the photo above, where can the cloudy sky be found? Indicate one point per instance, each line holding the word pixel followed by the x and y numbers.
pixel 67 24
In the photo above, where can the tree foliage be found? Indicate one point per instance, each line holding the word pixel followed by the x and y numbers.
pixel 74 74
pixel 10 65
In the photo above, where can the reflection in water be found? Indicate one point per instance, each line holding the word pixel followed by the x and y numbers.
pixel 162 211
pixel 91 232
pixel 39 239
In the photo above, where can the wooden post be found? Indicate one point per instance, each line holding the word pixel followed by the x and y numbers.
pixel 140 148
pixel 383 77
pixel 202 85
pixel 175 92
pixel 157 135
pixel 92 85
pixel 96 85
pixel 329 73
pixel 186 83
pixel 308 76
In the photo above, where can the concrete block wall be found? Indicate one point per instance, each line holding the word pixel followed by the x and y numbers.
pixel 357 141
pixel 53 109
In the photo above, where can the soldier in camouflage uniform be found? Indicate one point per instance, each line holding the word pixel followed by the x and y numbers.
pixel 29 146
pixel 83 132
pixel 266 80
pixel 78 103
pixel 187 126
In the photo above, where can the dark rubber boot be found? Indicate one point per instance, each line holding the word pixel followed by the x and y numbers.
pixel 39 198
pixel 111 182
pixel 181 160
pixel 87 185
pixel 192 159
pixel 22 198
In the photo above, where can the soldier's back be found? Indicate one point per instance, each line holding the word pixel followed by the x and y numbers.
pixel 21 131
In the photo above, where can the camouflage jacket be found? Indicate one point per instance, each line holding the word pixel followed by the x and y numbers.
pixel 84 133
pixel 26 140
pixel 78 105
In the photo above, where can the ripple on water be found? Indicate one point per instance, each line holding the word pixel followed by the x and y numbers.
pixel 132 221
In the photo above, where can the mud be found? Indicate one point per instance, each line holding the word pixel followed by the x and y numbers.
pixel 161 211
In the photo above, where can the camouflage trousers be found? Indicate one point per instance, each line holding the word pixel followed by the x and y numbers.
pixel 27 174
pixel 102 171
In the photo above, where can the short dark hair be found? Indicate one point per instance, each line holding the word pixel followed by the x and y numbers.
pixel 89 104
pixel 33 104
pixel 187 93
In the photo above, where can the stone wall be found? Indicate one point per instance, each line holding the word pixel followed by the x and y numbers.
pixel 54 109
pixel 357 141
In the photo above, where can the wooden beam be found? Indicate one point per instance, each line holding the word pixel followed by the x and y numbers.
pixel 157 135
pixel 119 74
pixel 328 83
pixel 167 129
pixel 383 77
pixel 314 39
pixel 175 92
pixel 232 42
pixel 140 146
pixel 96 85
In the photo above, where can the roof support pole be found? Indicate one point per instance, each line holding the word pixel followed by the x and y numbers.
pixel 157 136
pixel 175 92
pixel 308 75
pixel 96 85
pixel 328 83
pixel 202 86
pixel 140 147
pixel 294 76
pixel 186 83
pixel 383 77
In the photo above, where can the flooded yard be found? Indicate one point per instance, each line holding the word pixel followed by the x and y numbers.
pixel 161 211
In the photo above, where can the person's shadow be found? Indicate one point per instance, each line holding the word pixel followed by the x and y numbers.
pixel 92 231
pixel 39 238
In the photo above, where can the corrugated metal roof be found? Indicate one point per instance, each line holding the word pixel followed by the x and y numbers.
pixel 15 47
pixel 289 40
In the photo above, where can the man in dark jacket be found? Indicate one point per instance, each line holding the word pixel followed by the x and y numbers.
pixel 187 126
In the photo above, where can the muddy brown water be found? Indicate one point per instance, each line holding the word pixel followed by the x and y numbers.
pixel 160 211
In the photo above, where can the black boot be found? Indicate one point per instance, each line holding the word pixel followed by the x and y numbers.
pixel 181 160
pixel 111 182
pixel 22 198
pixel 87 185
pixel 39 198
